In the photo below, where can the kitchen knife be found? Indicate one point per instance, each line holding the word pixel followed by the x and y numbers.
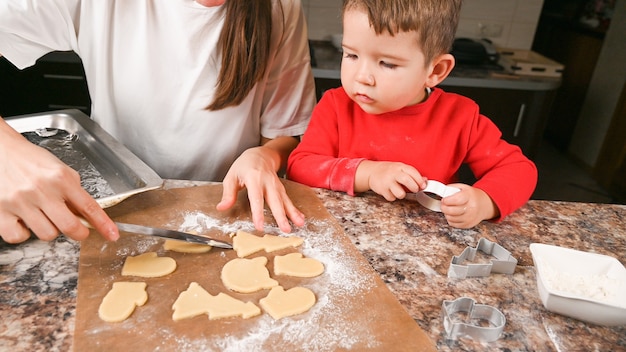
pixel 172 235
pixel 168 234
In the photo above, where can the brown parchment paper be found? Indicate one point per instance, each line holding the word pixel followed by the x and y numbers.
pixel 354 309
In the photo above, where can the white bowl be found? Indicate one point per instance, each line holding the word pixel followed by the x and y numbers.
pixel 586 286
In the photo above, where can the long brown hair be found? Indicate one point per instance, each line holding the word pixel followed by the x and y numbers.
pixel 245 47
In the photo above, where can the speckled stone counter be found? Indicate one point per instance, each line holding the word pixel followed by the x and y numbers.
pixel 409 246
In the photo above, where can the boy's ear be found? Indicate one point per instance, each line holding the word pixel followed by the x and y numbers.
pixel 441 67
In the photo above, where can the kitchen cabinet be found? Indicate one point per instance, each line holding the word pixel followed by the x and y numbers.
pixel 610 169
pixel 520 114
pixel 578 48
pixel 57 81
pixel 324 84
pixel 18 90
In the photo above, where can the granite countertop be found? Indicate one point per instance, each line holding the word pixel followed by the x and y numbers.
pixel 328 64
pixel 409 246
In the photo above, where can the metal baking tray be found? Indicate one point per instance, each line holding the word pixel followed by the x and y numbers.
pixel 109 171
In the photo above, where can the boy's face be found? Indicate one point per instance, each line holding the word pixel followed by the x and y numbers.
pixel 381 73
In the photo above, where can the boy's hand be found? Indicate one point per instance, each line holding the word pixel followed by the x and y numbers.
pixel 468 207
pixel 391 180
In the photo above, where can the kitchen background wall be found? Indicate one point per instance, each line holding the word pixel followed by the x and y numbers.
pixel 508 23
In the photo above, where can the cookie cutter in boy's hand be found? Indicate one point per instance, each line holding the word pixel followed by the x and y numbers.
pixel 437 188
pixel 504 263
pixel 474 316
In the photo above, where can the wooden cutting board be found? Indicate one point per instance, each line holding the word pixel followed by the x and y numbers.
pixel 354 309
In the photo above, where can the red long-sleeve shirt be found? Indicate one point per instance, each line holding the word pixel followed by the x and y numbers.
pixel 436 137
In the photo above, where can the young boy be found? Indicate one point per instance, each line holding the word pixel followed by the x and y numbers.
pixel 388 129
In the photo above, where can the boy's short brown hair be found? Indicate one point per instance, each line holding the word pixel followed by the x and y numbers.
pixel 434 21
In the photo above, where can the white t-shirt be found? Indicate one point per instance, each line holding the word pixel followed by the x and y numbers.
pixel 151 68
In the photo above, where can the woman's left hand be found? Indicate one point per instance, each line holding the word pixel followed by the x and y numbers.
pixel 256 170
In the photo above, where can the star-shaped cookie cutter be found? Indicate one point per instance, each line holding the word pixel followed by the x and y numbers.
pixel 472 322
pixel 504 263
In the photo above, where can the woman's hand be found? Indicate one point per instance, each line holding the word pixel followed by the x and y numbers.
pixel 256 170
pixel 40 193
pixel 468 207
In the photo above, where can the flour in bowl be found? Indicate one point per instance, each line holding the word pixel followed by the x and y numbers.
pixel 597 287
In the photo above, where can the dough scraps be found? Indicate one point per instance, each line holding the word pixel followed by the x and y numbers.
pixel 247 275
pixel 280 303
pixel 148 265
pixel 293 264
pixel 120 302
pixel 185 247
pixel 246 243
pixel 196 300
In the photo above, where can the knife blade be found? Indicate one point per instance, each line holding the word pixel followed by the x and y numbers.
pixel 172 234
pixel 164 233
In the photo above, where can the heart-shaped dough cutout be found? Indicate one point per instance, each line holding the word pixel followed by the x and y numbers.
pixel 120 302
pixel 196 300
pixel 148 265
pixel 246 243
pixel 247 275
pixel 280 303
pixel 293 264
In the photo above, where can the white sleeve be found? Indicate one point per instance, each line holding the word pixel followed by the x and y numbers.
pixel 289 95
pixel 31 28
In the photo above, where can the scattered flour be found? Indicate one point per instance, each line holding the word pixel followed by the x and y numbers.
pixel 324 327
pixel 142 245
pixel 197 221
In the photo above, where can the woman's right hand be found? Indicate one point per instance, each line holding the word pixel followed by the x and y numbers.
pixel 40 193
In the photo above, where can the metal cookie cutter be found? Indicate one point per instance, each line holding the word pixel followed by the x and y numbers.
pixel 504 263
pixel 472 322
pixel 437 188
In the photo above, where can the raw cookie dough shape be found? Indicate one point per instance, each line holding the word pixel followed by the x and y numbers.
pixel 148 265
pixel 185 247
pixel 247 275
pixel 280 303
pixel 120 302
pixel 246 243
pixel 196 300
pixel 293 264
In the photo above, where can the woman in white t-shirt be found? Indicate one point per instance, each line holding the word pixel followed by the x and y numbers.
pixel 213 90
